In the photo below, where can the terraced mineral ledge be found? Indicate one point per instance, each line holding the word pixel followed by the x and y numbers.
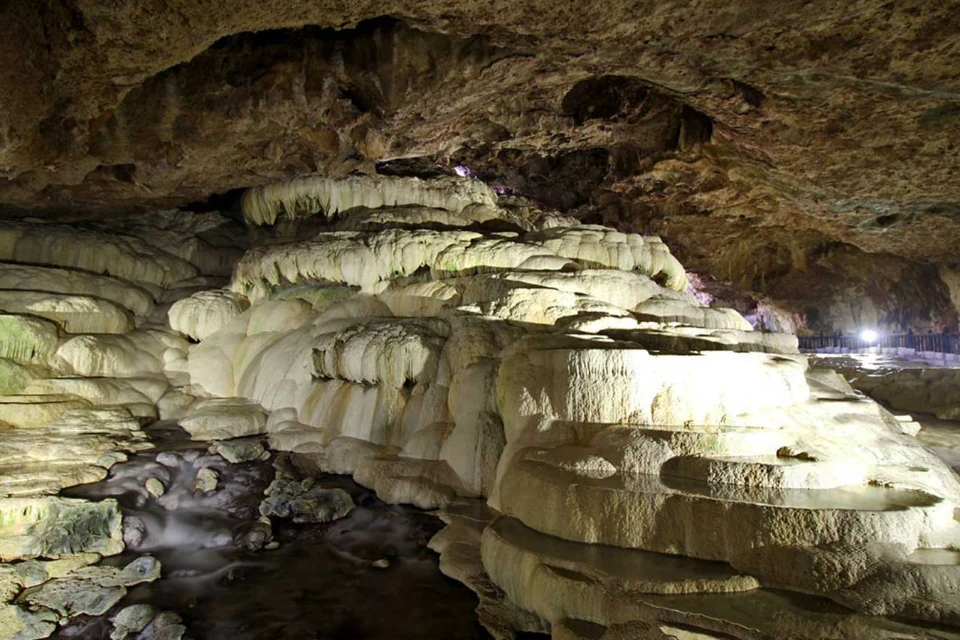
pixel 611 458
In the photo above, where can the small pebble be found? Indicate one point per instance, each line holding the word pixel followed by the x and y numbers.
pixel 206 480
pixel 169 459
pixel 154 487
pixel 131 620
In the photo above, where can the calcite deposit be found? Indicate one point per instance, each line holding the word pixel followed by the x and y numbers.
pixel 536 267
pixel 612 457
pixel 86 356
pixel 634 446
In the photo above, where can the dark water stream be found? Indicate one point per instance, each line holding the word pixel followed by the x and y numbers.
pixel 321 582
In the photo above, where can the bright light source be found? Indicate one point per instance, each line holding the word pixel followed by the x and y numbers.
pixel 868 335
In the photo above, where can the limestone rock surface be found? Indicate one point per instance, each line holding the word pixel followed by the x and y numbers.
pixel 768 146
pixel 205 312
pixel 577 416
pixel 604 414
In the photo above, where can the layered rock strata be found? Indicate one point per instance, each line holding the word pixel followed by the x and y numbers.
pixel 86 357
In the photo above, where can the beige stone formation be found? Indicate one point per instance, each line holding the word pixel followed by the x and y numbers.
pixel 83 365
pixel 594 246
pixel 28 340
pixel 311 196
pixel 22 277
pixel 120 256
pixel 205 312
pixel 361 219
pixel 918 389
pixel 139 395
pixel 637 449
pixel 73 313
pixel 223 419
pixel 350 258
pixel 76 447
pixel 209 241
pixel 613 458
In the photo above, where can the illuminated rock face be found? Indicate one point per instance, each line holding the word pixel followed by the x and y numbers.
pixel 614 459
pixel 86 357
pixel 325 196
pixel 636 449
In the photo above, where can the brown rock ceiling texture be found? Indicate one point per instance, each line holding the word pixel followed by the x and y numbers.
pixel 771 143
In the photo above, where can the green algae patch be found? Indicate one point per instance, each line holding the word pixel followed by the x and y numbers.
pixel 27 340
pixel 53 527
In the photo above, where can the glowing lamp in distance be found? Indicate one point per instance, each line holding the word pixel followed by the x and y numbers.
pixel 868 335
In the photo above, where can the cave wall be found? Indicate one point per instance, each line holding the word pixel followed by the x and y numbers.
pixel 819 118
pixel 821 284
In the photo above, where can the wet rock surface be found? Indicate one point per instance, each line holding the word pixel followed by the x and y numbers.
pixel 305 501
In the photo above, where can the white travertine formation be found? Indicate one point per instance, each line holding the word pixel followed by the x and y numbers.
pixel 685 340
pixel 126 257
pixel 624 289
pixel 594 381
pixel 223 419
pixel 76 382
pixel 138 395
pixel 419 299
pixel 76 447
pixel 72 313
pixel 131 355
pixel 613 459
pixel 310 196
pixel 27 339
pixel 14 377
pixel 319 296
pixel 474 446
pixel 601 247
pixel 392 352
pixel 351 258
pixel 210 241
pixel 522 302
pixel 496 254
pixel 31 411
pixel 593 406
pixel 205 312
pixel 424 217
pixel 671 311
pixel 366 259
pixel 22 277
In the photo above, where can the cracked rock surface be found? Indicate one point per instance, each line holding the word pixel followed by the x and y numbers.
pixel 771 144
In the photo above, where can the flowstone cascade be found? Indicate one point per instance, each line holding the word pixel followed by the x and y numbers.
pixel 86 356
pixel 613 459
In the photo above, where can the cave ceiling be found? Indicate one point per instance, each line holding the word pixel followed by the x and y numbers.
pixel 799 132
